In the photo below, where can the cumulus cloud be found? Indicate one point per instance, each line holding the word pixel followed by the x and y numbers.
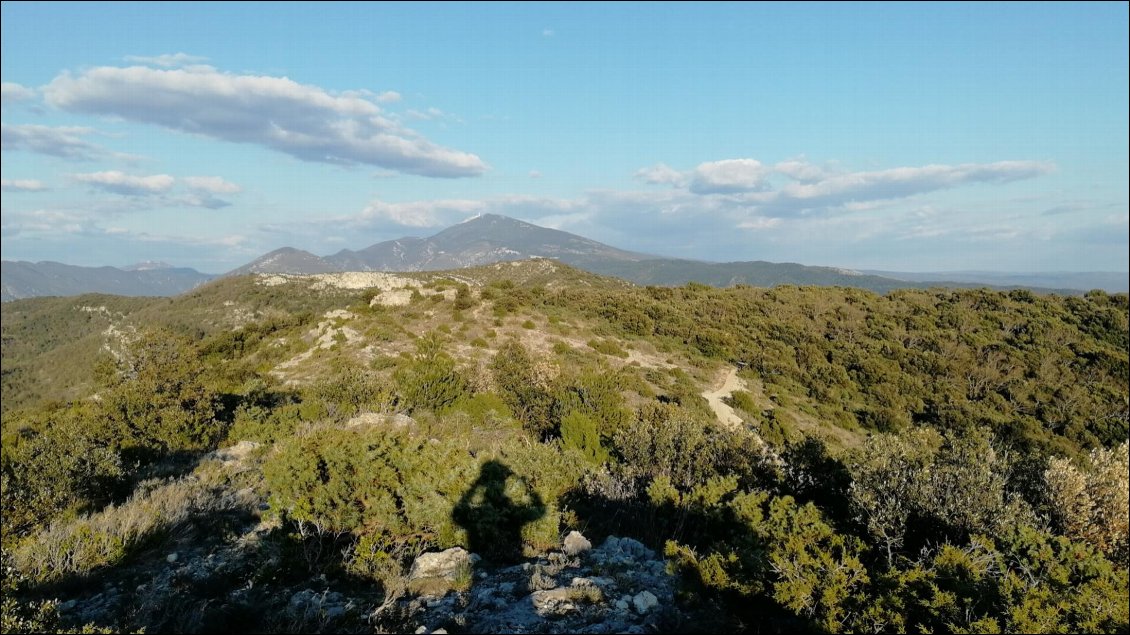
pixel 212 184
pixel 388 97
pixel 22 185
pixel 729 176
pixel 802 171
pixel 301 120
pixel 127 184
pixel 65 141
pixel 11 92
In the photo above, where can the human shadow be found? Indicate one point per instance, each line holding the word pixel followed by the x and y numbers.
pixel 492 517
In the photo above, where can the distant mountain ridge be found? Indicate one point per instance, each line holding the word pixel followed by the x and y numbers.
pixel 23 279
pixel 479 241
pixel 1109 281
pixel 491 238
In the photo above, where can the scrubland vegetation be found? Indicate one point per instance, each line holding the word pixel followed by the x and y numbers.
pixel 939 460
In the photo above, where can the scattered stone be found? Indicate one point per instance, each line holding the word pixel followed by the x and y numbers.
pixel 644 601
pixel 171 558
pixel 576 543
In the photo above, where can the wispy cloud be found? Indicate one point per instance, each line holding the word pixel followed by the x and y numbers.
pixel 199 191
pixel 661 174
pixel 65 141
pixel 432 114
pixel 48 221
pixel 212 184
pixel 127 184
pixel 796 187
pixel 22 185
pixel 301 120
pixel 167 60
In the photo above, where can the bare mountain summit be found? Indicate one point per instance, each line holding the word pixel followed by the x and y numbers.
pixel 481 240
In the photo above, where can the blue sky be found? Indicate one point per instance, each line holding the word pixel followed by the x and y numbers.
pixel 907 137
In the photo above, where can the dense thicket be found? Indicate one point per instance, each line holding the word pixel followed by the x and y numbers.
pixel 976 480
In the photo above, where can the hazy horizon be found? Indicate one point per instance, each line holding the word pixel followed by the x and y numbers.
pixel 903 138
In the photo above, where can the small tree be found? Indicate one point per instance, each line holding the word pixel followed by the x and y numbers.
pixel 429 381
pixel 158 399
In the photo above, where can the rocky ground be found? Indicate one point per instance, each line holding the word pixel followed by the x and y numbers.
pixel 619 587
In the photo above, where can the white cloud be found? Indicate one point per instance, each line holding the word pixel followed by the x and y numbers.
pixel 65 142
pixel 729 176
pixel 388 97
pixel 854 188
pixel 22 185
pixel 760 222
pixel 168 60
pixel 812 189
pixel 800 171
pixel 535 174
pixel 661 174
pixel 127 184
pixel 11 92
pixel 547 32
pixel 212 184
pixel 301 120
pixel 46 221
pixel 419 213
pixel 157 189
pixel 432 114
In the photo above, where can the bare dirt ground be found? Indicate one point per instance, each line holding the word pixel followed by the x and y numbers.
pixel 729 383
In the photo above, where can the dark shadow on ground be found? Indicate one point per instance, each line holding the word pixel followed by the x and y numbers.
pixel 493 518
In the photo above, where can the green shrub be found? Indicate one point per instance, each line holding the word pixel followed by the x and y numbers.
pixel 608 347
pixel 352 392
pixel 463 298
pixel 430 380
pixel 158 399
pixel 69 462
pixel 743 400
pixel 522 388
pixel 579 432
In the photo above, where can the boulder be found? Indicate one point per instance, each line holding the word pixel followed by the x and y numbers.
pixel 575 543
pixel 436 573
pixel 448 564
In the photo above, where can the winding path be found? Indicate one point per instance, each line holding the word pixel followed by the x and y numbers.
pixel 725 413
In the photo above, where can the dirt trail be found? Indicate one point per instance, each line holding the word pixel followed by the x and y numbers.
pixel 730 383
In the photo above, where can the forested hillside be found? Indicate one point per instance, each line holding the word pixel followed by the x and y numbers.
pixel 802 458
